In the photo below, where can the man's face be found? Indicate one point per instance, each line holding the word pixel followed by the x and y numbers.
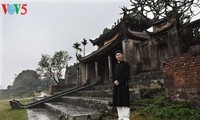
pixel 119 56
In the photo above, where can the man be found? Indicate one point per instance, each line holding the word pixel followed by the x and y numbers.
pixel 121 98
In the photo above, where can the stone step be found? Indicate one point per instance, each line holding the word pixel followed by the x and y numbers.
pixel 40 114
pixel 54 93
pixel 65 111
pixel 100 104
pixel 103 93
pixel 150 84
pixel 94 93
pixel 103 87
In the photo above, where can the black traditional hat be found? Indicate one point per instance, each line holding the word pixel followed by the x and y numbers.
pixel 118 51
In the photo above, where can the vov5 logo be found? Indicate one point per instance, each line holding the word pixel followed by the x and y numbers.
pixel 14 9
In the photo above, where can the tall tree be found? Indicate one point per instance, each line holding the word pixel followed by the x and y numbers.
pixel 77 47
pixel 84 42
pixel 52 66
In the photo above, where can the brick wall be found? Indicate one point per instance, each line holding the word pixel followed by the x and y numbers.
pixel 185 70
pixel 183 78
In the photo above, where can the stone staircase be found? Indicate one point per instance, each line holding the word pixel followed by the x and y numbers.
pixel 90 104
pixel 67 111
pixel 94 103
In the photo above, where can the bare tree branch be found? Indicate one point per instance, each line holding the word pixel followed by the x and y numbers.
pixel 161 8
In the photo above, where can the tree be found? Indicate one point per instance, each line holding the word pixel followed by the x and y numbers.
pixel 52 66
pixel 9 87
pixel 26 82
pixel 84 42
pixel 77 47
pixel 46 82
pixel 161 8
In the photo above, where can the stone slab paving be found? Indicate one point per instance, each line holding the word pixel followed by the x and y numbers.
pixel 40 114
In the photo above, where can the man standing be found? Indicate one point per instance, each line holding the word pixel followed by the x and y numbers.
pixel 121 98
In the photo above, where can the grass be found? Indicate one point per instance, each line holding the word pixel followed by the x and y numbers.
pixel 133 116
pixel 6 113
pixel 136 116
pixel 168 110
pixel 171 111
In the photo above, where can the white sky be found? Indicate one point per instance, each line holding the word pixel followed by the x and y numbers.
pixel 50 26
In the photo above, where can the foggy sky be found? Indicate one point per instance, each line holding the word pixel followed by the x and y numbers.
pixel 51 26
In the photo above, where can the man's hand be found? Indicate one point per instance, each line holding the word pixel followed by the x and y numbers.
pixel 116 82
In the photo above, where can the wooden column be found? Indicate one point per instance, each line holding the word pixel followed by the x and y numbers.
pixel 82 75
pixel 110 68
pixel 86 72
pixel 96 70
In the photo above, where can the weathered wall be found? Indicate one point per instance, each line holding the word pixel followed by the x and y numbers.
pixel 130 54
pixel 72 79
pixel 183 78
pixel 145 62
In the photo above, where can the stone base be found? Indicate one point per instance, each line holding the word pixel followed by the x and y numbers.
pixel 189 95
